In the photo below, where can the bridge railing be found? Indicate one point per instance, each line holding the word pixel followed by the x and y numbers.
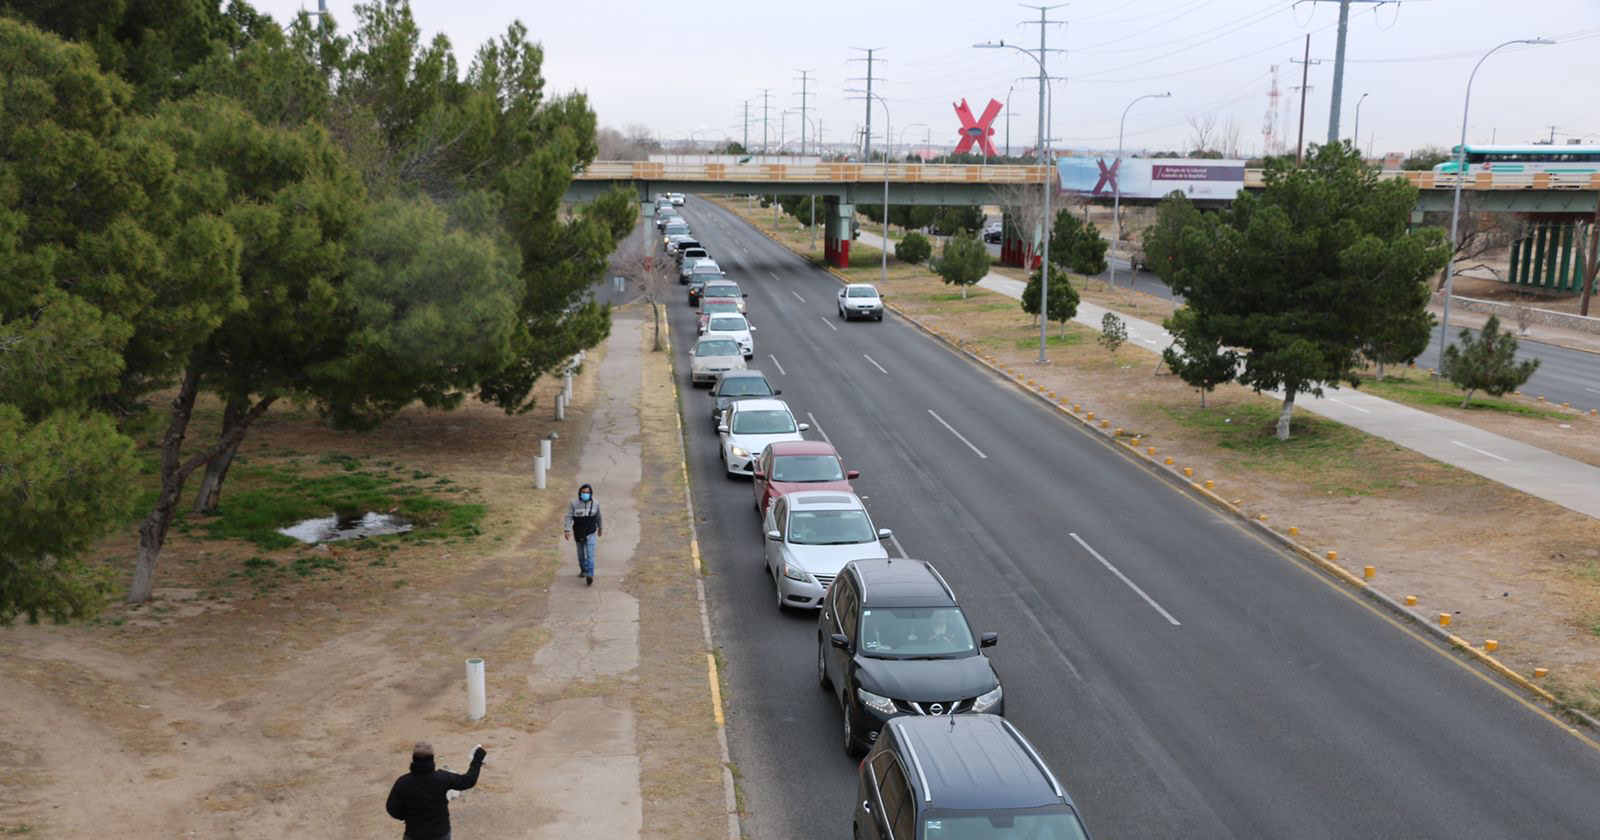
pixel 958 173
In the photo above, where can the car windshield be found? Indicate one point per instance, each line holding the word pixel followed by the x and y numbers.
pixel 862 293
pixel 719 347
pixel 727 323
pixel 716 306
pixel 673 229
pixel 745 386
pixel 830 527
pixel 1053 823
pixel 806 468
pixel 770 421
pixel 915 632
pixel 722 290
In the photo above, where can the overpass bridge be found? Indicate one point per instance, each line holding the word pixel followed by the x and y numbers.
pixel 1550 201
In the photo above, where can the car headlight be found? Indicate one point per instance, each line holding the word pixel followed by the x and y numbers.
pixel 796 573
pixel 739 451
pixel 876 702
pixel 987 700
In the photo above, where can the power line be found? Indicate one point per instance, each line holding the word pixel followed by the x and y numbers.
pixel 866 136
pixel 805 78
pixel 1338 60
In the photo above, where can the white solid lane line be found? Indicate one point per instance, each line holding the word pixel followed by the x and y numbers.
pixel 830 324
pixel 898 547
pixel 775 362
pixel 1480 451
pixel 1592 390
pixel 817 426
pixel 1124 578
pixel 773 276
pixel 875 364
pixel 1347 405
pixel 958 435
pixel 797 296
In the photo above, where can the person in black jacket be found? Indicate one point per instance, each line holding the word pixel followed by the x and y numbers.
pixel 420 796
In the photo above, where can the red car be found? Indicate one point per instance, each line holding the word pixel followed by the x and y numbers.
pixel 715 306
pixel 798 465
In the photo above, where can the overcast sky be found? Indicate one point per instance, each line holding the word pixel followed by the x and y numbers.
pixel 682 67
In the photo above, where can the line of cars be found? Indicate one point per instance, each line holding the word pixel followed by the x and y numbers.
pixel 922 704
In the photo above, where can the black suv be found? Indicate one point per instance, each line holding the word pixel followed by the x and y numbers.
pixel 891 640
pixel 955 778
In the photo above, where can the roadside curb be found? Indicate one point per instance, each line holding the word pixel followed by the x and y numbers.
pixel 1173 476
pixel 730 798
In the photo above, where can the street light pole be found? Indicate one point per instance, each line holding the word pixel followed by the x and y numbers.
pixel 1046 100
pixel 1008 119
pixel 1461 174
pixel 888 140
pixel 1116 190
pixel 1357 133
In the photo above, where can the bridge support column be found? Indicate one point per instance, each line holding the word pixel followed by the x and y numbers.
pixel 837 216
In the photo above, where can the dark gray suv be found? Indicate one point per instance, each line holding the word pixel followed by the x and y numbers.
pixel 970 777
pixel 891 640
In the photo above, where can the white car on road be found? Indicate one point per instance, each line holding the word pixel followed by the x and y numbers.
pixel 811 535
pixel 749 425
pixel 860 300
pixel 733 326
pixel 711 357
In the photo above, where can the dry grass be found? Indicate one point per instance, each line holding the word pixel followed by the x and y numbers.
pixel 1520 570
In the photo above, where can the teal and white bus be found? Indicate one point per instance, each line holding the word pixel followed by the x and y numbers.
pixel 1526 160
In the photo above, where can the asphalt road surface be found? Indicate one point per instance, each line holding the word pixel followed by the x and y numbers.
pixel 1233 694
pixel 1564 375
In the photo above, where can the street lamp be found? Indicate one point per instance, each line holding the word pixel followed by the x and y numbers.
pixel 888 137
pixel 1116 190
pixel 1455 202
pixel 1045 158
pixel 1358 120
pixel 908 128
pixel 1008 119
pixel 813 202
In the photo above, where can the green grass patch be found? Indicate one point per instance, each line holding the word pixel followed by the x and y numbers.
pixel 258 500
pixel 1322 454
pixel 1424 392
pixel 1055 339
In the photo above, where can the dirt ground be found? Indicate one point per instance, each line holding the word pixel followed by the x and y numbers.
pixel 1510 567
pixel 226 708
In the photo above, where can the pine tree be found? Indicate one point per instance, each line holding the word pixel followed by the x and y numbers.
pixel 1487 362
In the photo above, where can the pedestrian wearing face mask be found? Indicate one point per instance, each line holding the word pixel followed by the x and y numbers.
pixel 583 524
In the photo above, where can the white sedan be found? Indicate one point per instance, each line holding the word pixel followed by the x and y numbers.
pixel 712 357
pixel 749 425
pixel 860 300
pixel 734 326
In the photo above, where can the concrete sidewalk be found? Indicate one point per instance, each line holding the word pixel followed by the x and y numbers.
pixel 590 767
pixel 1572 484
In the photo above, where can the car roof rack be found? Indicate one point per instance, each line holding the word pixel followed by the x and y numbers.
pixel 1054 785
pixel 927 795
pixel 940 578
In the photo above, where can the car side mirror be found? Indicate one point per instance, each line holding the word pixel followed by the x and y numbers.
pixel 774 536
pixel 852 474
pixel 752 327
pixel 758 475
pixel 746 294
pixel 804 427
pixel 691 351
pixel 885 533
pixel 988 640
pixel 722 427
pixel 777 391
pixel 840 641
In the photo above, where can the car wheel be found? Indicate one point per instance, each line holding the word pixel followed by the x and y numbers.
pixel 842 315
pixel 822 665
pixel 777 589
pixel 851 748
pixel 880 319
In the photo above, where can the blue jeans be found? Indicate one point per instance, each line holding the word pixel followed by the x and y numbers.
pixel 586 554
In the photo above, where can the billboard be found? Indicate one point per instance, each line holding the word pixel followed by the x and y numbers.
pixel 1152 177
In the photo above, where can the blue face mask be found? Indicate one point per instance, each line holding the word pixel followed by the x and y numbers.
pixel 585 496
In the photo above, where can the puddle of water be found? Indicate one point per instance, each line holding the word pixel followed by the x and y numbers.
pixel 346 526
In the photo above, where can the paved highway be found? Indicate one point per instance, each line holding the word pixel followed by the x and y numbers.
pixel 1233 694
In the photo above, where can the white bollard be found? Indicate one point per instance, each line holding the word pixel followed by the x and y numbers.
pixel 476 700
pixel 566 386
pixel 544 452
pixel 538 474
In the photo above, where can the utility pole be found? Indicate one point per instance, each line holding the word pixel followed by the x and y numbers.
pixel 805 77
pixel 1338 63
pixel 747 126
pixel 1046 99
pixel 1305 69
pixel 766 94
pixel 866 136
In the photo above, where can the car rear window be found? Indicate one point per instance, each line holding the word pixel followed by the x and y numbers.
pixel 806 468
pixel 867 293
pixel 769 421
pixel 746 386
pixel 719 347
pixel 726 323
pixel 719 306
pixel 721 290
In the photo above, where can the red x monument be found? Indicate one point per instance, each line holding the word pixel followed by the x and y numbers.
pixel 977 131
